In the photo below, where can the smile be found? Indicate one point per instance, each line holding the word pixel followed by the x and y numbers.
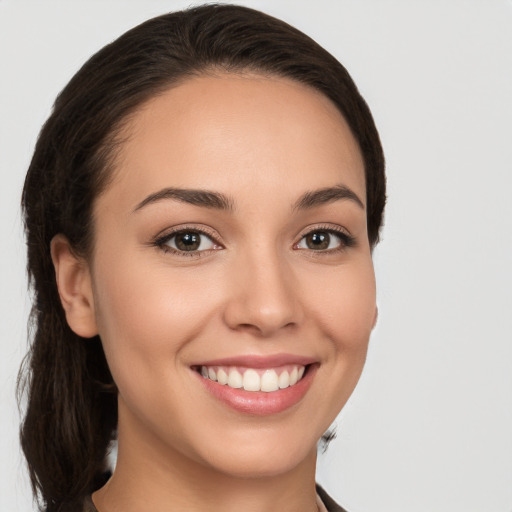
pixel 267 380
pixel 258 385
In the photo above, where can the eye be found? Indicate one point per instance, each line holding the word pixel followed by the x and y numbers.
pixel 325 240
pixel 187 241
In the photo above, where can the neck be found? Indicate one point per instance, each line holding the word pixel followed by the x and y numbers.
pixel 151 476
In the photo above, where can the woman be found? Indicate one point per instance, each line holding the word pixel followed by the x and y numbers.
pixel 200 211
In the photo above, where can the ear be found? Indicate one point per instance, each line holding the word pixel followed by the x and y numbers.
pixel 75 287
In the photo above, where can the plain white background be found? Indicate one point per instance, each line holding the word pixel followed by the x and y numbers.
pixel 429 428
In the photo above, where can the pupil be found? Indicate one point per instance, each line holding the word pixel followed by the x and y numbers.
pixel 188 241
pixel 319 240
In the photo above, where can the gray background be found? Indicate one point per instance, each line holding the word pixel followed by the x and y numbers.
pixel 429 428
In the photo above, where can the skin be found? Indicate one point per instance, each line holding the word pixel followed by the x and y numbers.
pixel 258 290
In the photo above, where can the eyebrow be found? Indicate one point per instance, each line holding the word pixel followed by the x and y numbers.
pixel 219 201
pixel 327 195
pixel 203 198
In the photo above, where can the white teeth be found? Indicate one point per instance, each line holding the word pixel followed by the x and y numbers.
pixel 294 375
pixel 252 379
pixel 269 381
pixel 222 376
pixel 234 379
pixel 284 380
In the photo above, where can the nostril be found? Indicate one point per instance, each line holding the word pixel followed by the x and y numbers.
pixel 263 329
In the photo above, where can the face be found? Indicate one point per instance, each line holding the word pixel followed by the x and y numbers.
pixel 232 280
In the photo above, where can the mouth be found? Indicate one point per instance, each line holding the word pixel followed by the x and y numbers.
pixel 258 386
pixel 267 380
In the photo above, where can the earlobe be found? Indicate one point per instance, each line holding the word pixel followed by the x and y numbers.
pixel 75 287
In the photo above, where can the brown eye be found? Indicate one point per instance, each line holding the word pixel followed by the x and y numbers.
pixel 190 241
pixel 325 240
pixel 318 240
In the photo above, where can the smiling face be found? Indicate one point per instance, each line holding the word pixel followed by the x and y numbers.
pixel 231 250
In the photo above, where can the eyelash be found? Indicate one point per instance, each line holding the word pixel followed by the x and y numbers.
pixel 345 240
pixel 162 241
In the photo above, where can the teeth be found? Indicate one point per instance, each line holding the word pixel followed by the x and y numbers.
pixel 234 379
pixel 222 376
pixel 284 380
pixel 250 379
pixel 269 381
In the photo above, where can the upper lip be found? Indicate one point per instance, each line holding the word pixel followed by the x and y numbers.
pixel 259 361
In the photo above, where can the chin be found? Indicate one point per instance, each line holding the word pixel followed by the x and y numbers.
pixel 261 465
pixel 261 454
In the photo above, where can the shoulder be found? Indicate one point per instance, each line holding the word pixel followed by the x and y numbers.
pixel 329 503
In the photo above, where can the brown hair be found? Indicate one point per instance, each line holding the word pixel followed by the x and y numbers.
pixel 71 413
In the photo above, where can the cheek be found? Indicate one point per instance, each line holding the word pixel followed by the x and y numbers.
pixel 341 308
pixel 146 318
pixel 344 303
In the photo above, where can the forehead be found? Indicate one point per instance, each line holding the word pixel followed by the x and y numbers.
pixel 231 132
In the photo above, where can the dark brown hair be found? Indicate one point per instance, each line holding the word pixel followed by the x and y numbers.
pixel 71 411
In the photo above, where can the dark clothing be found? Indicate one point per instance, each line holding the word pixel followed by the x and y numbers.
pixel 329 503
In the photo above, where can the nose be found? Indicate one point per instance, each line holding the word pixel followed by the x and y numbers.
pixel 263 296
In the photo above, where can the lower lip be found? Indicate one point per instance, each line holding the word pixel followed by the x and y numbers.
pixel 259 402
